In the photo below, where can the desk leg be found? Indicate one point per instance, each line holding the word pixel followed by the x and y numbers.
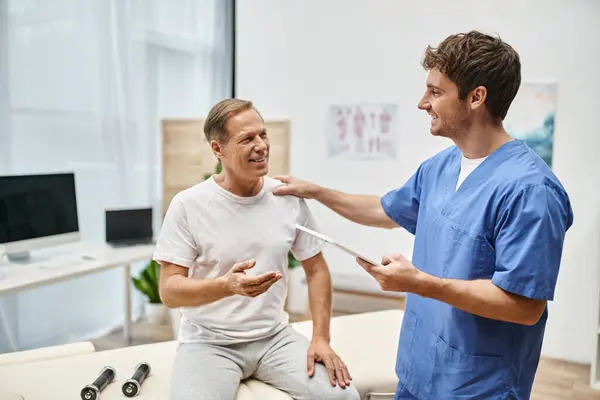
pixel 127 324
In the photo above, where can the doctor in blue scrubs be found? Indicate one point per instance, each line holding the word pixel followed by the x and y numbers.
pixel 489 219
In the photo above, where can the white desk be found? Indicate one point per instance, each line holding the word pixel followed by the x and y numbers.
pixel 68 262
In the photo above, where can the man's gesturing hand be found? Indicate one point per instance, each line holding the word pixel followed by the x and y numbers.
pixel 240 283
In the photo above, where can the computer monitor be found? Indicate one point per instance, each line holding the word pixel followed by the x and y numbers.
pixel 37 211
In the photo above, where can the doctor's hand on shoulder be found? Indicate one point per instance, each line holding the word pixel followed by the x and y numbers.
pixel 238 282
pixel 295 187
pixel 395 274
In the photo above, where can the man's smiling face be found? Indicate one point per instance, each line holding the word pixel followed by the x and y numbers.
pixel 246 152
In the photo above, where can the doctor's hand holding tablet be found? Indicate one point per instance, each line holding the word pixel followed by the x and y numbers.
pixel 394 273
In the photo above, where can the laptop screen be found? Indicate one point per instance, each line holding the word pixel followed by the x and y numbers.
pixel 129 225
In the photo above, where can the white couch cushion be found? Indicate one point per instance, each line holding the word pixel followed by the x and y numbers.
pixel 47 353
pixel 366 342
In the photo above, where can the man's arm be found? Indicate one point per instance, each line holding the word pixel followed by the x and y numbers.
pixel 320 294
pixel 176 251
pixel 307 249
pixel 481 297
pixel 176 289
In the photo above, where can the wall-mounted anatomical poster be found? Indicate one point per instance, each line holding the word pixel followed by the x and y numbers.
pixel 362 131
pixel 531 118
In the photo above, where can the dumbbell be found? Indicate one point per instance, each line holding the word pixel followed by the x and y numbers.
pixel 93 390
pixel 132 386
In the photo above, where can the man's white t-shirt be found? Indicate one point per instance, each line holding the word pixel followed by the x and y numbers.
pixel 208 229
pixel 467 165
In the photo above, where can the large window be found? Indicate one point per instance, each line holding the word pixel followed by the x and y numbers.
pixel 83 86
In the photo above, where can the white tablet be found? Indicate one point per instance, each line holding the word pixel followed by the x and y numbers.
pixel 337 244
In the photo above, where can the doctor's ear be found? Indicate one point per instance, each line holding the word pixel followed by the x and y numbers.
pixel 477 97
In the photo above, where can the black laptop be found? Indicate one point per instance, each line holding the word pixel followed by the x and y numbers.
pixel 129 227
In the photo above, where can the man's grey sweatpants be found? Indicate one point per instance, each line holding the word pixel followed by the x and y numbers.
pixel 212 372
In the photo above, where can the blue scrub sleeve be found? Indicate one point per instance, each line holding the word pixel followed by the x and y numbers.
pixel 402 204
pixel 529 242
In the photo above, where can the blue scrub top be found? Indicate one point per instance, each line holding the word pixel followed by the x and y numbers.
pixel 506 222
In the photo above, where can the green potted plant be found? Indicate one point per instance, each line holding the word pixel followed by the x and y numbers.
pixel 292 262
pixel 147 284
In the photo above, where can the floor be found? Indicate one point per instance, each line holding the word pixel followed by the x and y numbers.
pixel 555 380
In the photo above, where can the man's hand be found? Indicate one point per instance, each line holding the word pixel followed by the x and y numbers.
pixel 240 283
pixel 295 187
pixel 321 351
pixel 395 274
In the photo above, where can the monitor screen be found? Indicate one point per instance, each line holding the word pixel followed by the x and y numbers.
pixel 128 224
pixel 37 206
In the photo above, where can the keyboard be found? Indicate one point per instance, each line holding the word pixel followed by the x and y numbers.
pixel 65 261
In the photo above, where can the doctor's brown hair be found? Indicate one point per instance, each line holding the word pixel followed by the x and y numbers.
pixel 475 59
pixel 214 126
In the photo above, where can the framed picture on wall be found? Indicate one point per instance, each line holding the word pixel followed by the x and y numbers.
pixel 531 118
pixel 362 131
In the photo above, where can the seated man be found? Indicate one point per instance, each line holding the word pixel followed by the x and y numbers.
pixel 224 250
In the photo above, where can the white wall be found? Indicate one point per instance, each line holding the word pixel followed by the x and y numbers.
pixel 295 58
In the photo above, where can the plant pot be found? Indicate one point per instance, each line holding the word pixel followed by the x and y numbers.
pixel 156 313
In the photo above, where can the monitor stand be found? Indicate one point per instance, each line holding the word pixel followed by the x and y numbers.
pixel 23 257
pixel 26 258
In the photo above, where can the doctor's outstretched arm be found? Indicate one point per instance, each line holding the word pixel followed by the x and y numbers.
pixel 362 209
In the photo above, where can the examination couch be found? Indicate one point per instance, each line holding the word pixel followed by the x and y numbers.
pixel 366 342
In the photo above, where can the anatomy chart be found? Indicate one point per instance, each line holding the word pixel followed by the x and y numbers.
pixel 366 130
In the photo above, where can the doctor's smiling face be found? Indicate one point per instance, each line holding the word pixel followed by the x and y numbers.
pixel 472 80
pixel 449 114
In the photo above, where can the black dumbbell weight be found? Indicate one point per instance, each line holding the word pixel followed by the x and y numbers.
pixel 93 390
pixel 132 386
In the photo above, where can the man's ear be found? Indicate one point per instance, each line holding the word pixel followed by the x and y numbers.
pixel 216 148
pixel 477 97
